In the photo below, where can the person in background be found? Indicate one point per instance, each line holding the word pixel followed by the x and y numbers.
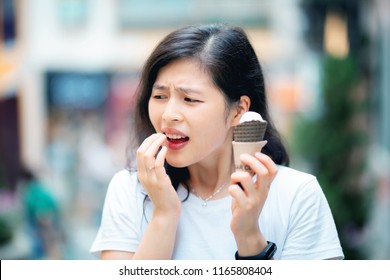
pixel 184 199
pixel 43 217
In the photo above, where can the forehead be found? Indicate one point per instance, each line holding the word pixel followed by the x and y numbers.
pixel 185 67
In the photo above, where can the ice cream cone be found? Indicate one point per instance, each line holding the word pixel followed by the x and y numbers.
pixel 245 148
pixel 252 131
pixel 248 137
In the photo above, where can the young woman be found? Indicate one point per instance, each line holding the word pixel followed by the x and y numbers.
pixel 185 200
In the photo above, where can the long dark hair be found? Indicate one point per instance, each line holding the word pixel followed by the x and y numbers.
pixel 228 57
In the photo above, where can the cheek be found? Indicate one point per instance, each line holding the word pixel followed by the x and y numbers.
pixel 214 133
pixel 153 115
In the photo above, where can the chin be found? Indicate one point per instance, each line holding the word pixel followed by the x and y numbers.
pixel 177 163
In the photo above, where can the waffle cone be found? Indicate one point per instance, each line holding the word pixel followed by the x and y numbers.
pixel 245 148
pixel 252 131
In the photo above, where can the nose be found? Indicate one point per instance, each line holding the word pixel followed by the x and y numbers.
pixel 172 111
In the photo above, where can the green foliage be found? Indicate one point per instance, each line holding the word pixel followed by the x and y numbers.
pixel 335 145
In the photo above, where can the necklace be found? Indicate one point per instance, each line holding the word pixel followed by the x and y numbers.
pixel 205 200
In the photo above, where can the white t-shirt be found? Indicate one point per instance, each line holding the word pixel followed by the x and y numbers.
pixel 296 216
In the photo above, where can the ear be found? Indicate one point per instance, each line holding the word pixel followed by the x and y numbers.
pixel 242 107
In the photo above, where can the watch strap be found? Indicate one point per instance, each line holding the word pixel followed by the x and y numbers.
pixel 268 252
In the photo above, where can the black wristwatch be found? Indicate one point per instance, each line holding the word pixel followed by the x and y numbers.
pixel 266 254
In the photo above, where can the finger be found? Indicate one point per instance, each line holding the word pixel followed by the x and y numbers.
pixel 244 180
pixel 160 172
pixel 147 152
pixel 146 143
pixel 142 149
pixel 153 150
pixel 238 195
pixel 268 163
pixel 155 145
pixel 256 165
pixel 160 158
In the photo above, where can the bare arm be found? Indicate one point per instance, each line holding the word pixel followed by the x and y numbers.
pixel 116 255
pixel 156 244
pixel 159 238
pixel 248 203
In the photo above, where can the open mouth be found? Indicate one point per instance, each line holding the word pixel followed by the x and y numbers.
pixel 176 139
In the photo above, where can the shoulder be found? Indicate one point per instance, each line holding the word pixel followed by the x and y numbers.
pixel 124 176
pixel 290 181
pixel 309 229
pixel 122 214
pixel 293 176
pixel 298 193
pixel 294 190
pixel 124 185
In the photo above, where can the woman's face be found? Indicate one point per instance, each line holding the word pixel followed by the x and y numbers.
pixel 186 106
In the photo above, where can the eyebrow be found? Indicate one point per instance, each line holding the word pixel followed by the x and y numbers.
pixel 160 87
pixel 179 89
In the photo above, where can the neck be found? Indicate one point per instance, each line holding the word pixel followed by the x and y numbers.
pixel 207 176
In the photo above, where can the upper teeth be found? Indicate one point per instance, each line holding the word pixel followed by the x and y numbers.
pixel 174 136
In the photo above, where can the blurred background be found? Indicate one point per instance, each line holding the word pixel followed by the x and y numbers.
pixel 69 68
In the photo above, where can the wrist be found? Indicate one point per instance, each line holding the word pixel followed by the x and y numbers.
pixel 166 217
pixel 266 254
pixel 251 244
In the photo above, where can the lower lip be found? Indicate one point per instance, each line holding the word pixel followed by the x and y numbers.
pixel 176 145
